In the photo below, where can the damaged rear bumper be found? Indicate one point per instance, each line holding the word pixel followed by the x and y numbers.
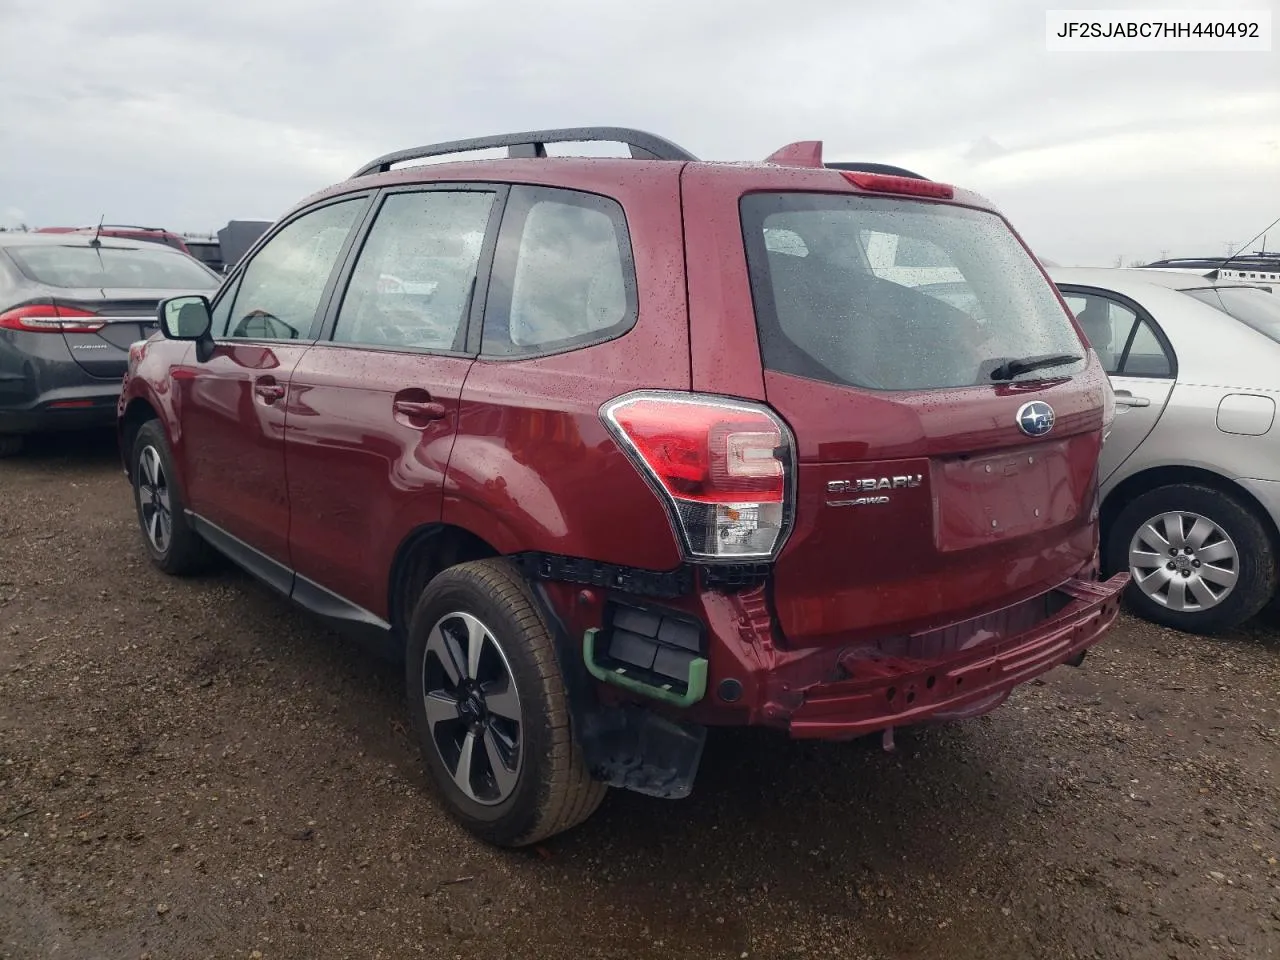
pixel 972 683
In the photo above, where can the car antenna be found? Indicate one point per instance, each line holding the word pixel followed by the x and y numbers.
pixel 97 233
pixel 1217 272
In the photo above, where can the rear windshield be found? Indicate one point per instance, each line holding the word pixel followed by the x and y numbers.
pixel 1256 308
pixel 141 267
pixel 895 294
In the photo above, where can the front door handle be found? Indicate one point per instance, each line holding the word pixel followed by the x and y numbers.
pixel 268 392
pixel 420 409
pixel 1126 399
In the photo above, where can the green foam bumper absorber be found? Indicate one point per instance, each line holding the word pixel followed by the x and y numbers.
pixel 618 676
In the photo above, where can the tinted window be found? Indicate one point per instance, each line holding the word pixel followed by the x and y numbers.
pixel 895 294
pixel 1257 308
pixel 413 282
pixel 563 276
pixel 1125 343
pixel 1145 356
pixel 142 267
pixel 281 287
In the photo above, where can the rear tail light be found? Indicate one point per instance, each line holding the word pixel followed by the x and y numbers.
pixel 48 318
pixel 725 469
pixel 886 183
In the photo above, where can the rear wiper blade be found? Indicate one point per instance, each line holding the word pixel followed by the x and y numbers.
pixel 1012 368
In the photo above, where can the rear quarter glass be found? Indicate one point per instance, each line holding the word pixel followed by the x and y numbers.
pixel 896 294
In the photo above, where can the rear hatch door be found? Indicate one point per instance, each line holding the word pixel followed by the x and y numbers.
pixel 936 482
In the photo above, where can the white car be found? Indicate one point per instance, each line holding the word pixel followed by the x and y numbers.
pixel 1190 472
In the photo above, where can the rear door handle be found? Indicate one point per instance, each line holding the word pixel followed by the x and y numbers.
pixel 1126 399
pixel 420 409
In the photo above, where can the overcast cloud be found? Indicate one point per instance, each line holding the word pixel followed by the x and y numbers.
pixel 187 114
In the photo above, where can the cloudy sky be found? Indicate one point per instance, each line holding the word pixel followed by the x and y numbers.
pixel 187 114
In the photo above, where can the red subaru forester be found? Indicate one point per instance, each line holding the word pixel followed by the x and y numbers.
pixel 612 450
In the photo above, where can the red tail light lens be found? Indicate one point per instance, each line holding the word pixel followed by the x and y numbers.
pixel 48 318
pixel 886 183
pixel 724 469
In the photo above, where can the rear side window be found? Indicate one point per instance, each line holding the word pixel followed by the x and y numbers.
pixel 1125 343
pixel 413 282
pixel 563 274
pixel 1259 309
pixel 140 268
pixel 893 294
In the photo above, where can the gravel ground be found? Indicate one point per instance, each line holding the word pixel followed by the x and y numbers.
pixel 195 769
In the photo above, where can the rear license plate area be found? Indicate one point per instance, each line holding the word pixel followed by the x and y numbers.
pixel 991 497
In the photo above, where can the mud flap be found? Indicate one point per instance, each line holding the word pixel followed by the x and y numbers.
pixel 637 749
pixel 626 746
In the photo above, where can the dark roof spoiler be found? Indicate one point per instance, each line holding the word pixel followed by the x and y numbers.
pixel 808 153
pixel 885 168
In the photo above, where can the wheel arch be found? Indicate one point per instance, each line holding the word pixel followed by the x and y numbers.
pixel 424 552
pixel 138 412
pixel 1153 478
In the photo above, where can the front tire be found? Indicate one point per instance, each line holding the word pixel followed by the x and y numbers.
pixel 1200 560
pixel 490 708
pixel 172 544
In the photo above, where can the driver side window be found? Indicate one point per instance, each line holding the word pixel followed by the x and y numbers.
pixel 279 291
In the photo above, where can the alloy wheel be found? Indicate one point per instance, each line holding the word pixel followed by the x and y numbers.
pixel 1184 561
pixel 153 499
pixel 472 708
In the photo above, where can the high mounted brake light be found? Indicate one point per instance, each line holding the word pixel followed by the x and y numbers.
pixel 724 469
pixel 48 318
pixel 884 183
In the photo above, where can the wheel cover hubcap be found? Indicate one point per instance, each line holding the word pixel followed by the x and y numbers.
pixel 473 708
pixel 1184 561
pixel 153 499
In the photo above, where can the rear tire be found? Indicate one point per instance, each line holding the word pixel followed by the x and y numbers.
pixel 11 445
pixel 1271 612
pixel 484 683
pixel 170 541
pixel 1201 561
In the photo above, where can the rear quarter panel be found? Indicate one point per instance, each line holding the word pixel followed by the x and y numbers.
pixel 532 467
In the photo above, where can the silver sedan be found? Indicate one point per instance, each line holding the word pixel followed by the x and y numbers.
pixel 1190 472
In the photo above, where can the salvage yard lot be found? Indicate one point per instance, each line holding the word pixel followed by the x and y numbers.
pixel 196 769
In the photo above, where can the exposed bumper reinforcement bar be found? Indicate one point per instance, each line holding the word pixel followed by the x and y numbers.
pixel 965 686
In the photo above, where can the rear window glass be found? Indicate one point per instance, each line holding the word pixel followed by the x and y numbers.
pixel 141 267
pixel 894 294
pixel 1253 307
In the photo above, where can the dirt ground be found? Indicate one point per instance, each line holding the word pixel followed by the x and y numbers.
pixel 195 769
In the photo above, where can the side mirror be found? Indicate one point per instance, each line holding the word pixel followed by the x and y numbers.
pixel 188 318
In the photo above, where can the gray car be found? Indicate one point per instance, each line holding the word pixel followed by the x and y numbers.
pixel 70 306
pixel 1190 472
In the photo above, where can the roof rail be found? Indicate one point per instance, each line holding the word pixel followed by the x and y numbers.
pixel 886 168
pixel 644 146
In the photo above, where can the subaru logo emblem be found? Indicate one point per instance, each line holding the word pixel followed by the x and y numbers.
pixel 1035 419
